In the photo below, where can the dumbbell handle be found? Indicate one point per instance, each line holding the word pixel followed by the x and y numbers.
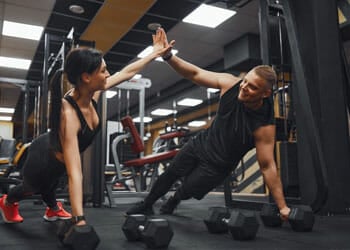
pixel 292 212
pixel 141 227
pixel 225 220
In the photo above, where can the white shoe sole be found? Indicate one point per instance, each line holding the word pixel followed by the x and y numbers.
pixel 55 218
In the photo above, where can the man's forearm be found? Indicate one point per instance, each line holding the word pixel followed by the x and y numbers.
pixel 274 184
pixel 182 67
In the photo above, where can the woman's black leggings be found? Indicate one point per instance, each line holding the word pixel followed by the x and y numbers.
pixel 41 174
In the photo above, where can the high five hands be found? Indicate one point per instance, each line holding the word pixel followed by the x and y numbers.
pixel 161 44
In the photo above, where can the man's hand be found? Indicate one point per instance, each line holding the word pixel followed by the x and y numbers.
pixel 284 213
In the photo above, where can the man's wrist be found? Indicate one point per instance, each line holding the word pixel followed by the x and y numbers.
pixel 167 56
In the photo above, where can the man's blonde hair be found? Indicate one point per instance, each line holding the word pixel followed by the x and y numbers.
pixel 266 72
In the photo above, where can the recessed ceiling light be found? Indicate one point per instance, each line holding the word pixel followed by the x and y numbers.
pixel 154 26
pixel 76 9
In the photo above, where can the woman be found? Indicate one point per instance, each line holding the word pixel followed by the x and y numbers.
pixel 74 123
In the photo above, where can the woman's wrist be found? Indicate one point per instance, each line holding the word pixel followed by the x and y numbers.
pixel 76 219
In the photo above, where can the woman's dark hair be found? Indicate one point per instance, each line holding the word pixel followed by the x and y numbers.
pixel 78 61
pixel 81 60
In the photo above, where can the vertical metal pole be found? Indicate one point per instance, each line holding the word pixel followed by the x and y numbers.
pixel 264 31
pixel 63 55
pixel 104 126
pixel 37 111
pixel 209 109
pixel 100 181
pixel 284 106
pixel 174 116
pixel 44 101
pixel 346 65
pixel 127 102
pixel 119 110
pixel 142 113
pixel 311 130
pixel 25 112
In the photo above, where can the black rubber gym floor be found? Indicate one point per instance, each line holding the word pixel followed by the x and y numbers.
pixel 189 230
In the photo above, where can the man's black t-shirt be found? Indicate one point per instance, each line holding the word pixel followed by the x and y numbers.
pixel 230 136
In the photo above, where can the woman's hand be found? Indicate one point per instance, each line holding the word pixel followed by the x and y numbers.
pixel 161 46
pixel 81 223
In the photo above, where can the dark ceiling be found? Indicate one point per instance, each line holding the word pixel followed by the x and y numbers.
pixel 200 45
pixel 166 86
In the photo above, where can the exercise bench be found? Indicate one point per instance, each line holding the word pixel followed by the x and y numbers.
pixel 11 161
pixel 138 169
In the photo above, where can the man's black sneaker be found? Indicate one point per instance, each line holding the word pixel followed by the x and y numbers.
pixel 169 206
pixel 140 208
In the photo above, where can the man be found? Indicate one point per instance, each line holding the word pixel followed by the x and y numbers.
pixel 244 120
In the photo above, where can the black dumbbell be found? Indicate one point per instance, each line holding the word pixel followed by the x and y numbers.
pixel 75 237
pixel 155 233
pixel 269 215
pixel 62 228
pixel 243 225
pixel 301 218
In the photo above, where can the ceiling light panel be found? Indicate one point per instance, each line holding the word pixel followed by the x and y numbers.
pixel 17 63
pixel 189 102
pixel 146 119
pixel 149 50
pixel 110 93
pixel 22 30
pixel 209 16
pixel 137 76
pixel 196 124
pixel 5 118
pixel 162 112
pixel 212 90
pixel 7 110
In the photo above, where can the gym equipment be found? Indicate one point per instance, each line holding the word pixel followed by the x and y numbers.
pixel 155 233
pixel 12 158
pixel 77 237
pixel 270 215
pixel 243 225
pixel 140 169
pixel 301 217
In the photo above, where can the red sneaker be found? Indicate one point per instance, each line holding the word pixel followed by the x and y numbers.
pixel 60 214
pixel 10 212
